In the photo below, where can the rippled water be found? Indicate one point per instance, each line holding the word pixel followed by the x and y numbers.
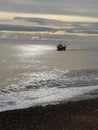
pixel 37 74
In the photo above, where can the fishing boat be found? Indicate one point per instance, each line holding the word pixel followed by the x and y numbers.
pixel 61 47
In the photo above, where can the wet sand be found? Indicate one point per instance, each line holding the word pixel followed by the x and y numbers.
pixel 75 115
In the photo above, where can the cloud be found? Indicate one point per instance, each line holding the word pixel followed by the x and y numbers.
pixel 64 7
pixel 45 29
pixel 24 28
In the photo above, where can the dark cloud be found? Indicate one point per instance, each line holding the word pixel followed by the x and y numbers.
pixel 47 29
pixel 51 26
pixel 24 28
pixel 65 7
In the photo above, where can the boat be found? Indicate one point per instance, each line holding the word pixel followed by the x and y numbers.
pixel 61 47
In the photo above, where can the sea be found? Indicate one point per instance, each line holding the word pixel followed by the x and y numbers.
pixel 34 73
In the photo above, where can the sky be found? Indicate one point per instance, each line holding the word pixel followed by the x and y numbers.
pixel 44 19
pixel 50 8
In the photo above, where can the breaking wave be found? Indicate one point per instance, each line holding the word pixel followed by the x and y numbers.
pixel 50 88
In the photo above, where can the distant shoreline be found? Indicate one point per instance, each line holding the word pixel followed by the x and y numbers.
pixel 76 115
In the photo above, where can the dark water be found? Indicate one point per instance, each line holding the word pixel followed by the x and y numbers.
pixel 36 74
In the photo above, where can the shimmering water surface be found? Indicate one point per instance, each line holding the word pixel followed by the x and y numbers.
pixel 35 73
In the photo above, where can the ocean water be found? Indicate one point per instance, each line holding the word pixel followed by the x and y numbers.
pixel 34 73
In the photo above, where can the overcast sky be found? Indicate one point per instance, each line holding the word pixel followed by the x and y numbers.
pixel 87 8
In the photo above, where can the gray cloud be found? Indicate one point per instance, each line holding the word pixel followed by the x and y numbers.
pixel 47 26
pixel 24 28
pixel 65 7
pixel 47 29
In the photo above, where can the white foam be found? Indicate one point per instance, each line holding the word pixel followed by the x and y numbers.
pixel 42 96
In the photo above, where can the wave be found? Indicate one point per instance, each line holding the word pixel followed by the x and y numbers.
pixel 50 88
